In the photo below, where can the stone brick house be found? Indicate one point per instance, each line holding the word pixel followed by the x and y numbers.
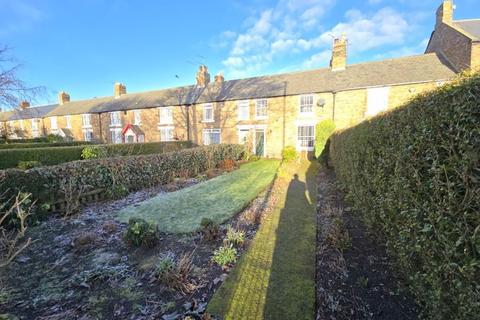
pixel 271 112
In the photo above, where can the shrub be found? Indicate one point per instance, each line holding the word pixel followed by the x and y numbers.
pixel 225 256
pixel 132 172
pixel 323 131
pixel 25 165
pixel 17 145
pixel 176 274
pixel 414 174
pixel 227 164
pixel 91 152
pixel 289 154
pixel 53 138
pixel 141 233
pixel 234 237
pixel 9 158
pixel 210 229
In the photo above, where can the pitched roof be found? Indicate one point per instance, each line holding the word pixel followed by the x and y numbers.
pixel 31 112
pixel 5 115
pixel 412 69
pixel 472 27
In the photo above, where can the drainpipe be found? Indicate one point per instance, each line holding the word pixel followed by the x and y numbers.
pixel 333 107
pixel 100 127
pixel 187 108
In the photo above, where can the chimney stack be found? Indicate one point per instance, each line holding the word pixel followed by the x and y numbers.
pixel 63 98
pixel 120 89
pixel 24 105
pixel 339 54
pixel 445 12
pixel 203 77
pixel 219 79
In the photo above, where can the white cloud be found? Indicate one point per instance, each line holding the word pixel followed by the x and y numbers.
pixel 21 16
pixel 293 27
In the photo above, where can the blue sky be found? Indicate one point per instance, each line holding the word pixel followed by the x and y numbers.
pixel 83 47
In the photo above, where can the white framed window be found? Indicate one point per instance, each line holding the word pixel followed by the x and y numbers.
pixel 21 125
pixel 261 109
pixel 243 135
pixel 35 124
pixel 377 100
pixel 53 123
pixel 68 122
pixel 88 135
pixel 137 117
pixel 115 119
pixel 306 137
pixel 166 115
pixel 306 103
pixel 87 121
pixel 208 112
pixel 211 136
pixel 243 108
pixel 166 134
pixel 116 135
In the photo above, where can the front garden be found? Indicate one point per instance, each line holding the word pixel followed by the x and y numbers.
pixel 145 255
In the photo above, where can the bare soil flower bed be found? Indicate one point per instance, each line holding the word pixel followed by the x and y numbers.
pixel 81 268
pixel 355 279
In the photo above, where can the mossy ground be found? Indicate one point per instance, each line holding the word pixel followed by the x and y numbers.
pixel 275 278
pixel 218 199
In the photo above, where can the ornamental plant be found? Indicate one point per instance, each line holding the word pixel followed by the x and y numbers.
pixel 140 233
pixel 225 256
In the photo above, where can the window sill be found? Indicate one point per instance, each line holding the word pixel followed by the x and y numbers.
pixel 306 114
pixel 208 121
pixel 165 124
pixel 305 148
pixel 115 125
pixel 87 127
pixel 261 118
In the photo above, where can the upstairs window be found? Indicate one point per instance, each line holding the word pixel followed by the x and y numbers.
pixel 87 120
pixel 166 115
pixel 115 119
pixel 243 110
pixel 306 103
pixel 261 109
pixel 137 117
pixel 68 121
pixel 377 100
pixel 208 112
pixel 53 123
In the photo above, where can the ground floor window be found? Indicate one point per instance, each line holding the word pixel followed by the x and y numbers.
pixel 88 135
pixel 166 134
pixel 116 135
pixel 306 137
pixel 243 135
pixel 211 136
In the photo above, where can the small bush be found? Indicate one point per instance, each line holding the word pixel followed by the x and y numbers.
pixel 234 237
pixel 289 154
pixel 225 256
pixel 210 229
pixel 25 165
pixel 53 138
pixel 323 131
pixel 140 233
pixel 92 152
pixel 227 164
pixel 176 274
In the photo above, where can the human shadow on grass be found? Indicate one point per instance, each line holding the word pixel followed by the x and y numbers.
pixel 291 286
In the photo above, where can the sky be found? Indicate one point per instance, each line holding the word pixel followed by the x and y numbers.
pixel 84 47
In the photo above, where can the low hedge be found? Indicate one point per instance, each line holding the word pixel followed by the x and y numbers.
pixel 9 158
pixel 414 173
pixel 131 172
pixel 42 145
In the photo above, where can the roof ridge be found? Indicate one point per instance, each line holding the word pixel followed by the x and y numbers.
pixel 464 20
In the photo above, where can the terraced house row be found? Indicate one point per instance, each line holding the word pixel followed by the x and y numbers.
pixel 268 112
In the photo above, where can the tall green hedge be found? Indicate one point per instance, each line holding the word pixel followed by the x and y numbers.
pixel 9 158
pixel 131 172
pixel 414 173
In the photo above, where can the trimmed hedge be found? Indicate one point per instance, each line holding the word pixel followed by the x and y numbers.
pixel 9 158
pixel 131 172
pixel 414 173
pixel 43 145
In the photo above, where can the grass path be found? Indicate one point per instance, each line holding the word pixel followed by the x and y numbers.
pixel 275 278
pixel 219 199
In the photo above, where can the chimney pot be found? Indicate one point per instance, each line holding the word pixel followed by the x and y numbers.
pixel 445 12
pixel 63 98
pixel 203 77
pixel 24 105
pixel 120 89
pixel 339 54
pixel 219 79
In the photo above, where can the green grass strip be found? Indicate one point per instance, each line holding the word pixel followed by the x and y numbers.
pixel 275 278
pixel 219 199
